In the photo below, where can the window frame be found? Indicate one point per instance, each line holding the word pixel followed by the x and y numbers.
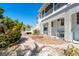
pixel 52 24
pixel 77 18
pixel 62 22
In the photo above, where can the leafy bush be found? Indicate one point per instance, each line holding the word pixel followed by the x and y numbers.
pixel 72 51
pixel 13 33
pixel 36 32
pixel 9 37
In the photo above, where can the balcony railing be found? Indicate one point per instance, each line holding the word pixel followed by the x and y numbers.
pixel 49 12
pixel 59 5
pixel 56 7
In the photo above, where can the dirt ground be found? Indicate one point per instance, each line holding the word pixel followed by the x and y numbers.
pixel 46 39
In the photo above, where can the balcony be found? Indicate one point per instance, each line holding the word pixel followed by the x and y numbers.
pixel 52 9
pixel 58 5
pixel 49 12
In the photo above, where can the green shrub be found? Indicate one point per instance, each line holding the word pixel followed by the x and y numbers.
pixel 36 32
pixel 12 34
pixel 10 37
pixel 72 51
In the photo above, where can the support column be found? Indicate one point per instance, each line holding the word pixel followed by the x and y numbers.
pixel 68 28
pixel 41 29
pixel 49 28
pixel 74 23
pixel 56 30
pixel 53 7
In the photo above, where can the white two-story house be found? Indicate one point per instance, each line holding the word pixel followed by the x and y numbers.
pixel 60 20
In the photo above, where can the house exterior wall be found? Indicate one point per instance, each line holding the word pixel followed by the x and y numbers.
pixel 71 28
pixel 71 32
pixel 57 24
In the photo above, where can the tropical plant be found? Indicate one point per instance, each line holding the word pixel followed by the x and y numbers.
pixel 72 51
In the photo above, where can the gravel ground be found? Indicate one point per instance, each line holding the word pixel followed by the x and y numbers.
pixel 47 40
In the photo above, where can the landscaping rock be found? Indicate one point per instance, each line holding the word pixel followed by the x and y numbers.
pixel 12 53
pixel 21 52
pixel 28 53
pixel 49 51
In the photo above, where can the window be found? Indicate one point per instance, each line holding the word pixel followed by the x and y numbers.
pixel 55 3
pixel 51 24
pixel 39 15
pixel 45 28
pixel 62 22
pixel 42 13
pixel 77 18
pixel 58 19
pixel 61 35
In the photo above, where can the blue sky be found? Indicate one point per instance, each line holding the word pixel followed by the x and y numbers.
pixel 25 12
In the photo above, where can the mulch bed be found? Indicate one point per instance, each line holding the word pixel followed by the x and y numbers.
pixel 47 40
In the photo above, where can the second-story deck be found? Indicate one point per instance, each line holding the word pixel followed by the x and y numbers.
pixel 52 7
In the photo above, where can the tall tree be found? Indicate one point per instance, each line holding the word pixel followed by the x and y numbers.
pixel 1 13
